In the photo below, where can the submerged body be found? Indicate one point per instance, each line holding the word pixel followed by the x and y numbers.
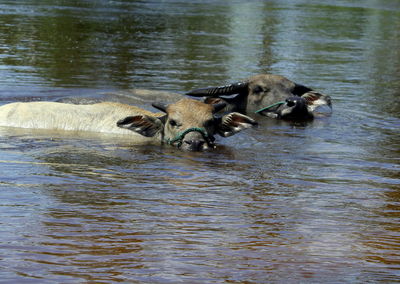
pixel 100 117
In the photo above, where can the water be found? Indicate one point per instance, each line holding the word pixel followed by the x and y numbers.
pixel 316 203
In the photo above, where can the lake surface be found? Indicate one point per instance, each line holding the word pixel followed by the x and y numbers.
pixel 284 203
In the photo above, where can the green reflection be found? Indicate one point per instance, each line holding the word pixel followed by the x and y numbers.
pixel 181 45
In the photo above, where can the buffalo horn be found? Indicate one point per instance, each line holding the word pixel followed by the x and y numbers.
pixel 219 106
pixel 299 90
pixel 160 106
pixel 219 91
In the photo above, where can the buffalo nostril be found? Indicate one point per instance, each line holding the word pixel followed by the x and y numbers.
pixel 195 144
pixel 290 103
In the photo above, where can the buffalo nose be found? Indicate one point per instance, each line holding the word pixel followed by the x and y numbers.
pixel 290 103
pixel 195 144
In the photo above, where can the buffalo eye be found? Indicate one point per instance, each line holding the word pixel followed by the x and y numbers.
pixel 258 89
pixel 172 123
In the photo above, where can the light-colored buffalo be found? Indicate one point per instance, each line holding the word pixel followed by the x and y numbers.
pixel 266 94
pixel 187 124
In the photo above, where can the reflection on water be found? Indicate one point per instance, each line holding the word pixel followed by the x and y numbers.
pixel 281 203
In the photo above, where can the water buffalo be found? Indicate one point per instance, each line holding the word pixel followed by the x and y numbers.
pixel 187 124
pixel 266 94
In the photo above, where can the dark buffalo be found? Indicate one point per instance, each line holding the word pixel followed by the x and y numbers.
pixel 269 95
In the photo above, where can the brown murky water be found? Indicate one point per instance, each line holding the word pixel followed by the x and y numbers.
pixel 317 203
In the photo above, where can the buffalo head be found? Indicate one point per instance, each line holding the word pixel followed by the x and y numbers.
pixel 188 124
pixel 261 91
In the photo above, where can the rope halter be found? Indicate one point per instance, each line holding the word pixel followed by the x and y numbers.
pixel 270 106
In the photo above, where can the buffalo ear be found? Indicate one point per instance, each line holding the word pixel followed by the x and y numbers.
pixel 233 123
pixel 145 125
pixel 315 99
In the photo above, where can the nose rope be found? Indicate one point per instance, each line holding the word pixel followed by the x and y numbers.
pixel 179 137
pixel 268 107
